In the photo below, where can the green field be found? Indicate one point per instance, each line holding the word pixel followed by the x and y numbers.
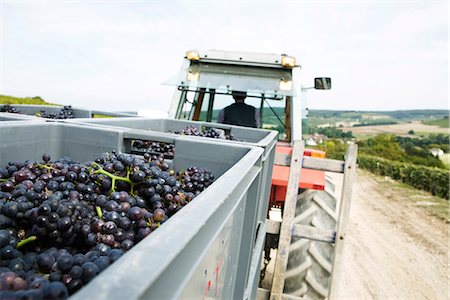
pixel 28 100
pixel 444 123
pixel 368 118
pixel 446 159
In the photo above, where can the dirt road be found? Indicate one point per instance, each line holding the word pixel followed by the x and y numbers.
pixel 394 248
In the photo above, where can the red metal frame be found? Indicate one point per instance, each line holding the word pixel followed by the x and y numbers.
pixel 309 179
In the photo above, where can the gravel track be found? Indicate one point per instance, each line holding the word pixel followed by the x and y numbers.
pixel 394 249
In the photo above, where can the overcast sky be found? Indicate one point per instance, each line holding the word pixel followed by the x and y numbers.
pixel 114 55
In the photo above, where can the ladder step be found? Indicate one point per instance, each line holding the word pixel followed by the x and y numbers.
pixel 323 164
pixel 313 163
pixel 313 233
pixel 303 231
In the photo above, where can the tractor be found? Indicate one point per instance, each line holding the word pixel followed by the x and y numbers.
pixel 205 85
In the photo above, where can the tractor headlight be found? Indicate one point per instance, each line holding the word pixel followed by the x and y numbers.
pixel 192 55
pixel 287 61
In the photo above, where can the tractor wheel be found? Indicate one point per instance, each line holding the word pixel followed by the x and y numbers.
pixel 308 271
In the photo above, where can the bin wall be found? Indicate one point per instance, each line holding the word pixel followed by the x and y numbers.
pixel 15 117
pixel 31 141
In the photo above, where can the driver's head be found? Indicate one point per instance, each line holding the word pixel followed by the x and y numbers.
pixel 238 96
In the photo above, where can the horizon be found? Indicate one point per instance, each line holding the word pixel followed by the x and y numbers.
pixel 315 109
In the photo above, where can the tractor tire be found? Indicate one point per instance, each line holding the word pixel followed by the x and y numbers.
pixel 308 273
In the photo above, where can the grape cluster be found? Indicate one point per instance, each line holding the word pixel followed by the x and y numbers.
pixel 65 113
pixel 209 132
pixel 63 222
pixel 9 109
pixel 153 147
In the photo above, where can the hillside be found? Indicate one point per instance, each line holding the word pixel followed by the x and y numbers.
pixel 4 99
pixel 335 118
pixel 444 122
pixel 404 115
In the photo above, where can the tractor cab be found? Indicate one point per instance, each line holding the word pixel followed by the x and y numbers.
pixel 205 86
pixel 207 80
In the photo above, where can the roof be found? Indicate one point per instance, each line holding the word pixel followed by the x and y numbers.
pixel 240 57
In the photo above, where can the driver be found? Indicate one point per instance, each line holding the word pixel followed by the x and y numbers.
pixel 239 113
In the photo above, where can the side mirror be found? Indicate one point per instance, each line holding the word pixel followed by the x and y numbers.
pixel 322 83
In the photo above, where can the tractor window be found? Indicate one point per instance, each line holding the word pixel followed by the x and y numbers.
pixel 193 105
pixel 222 101
pixel 273 111
pixel 186 108
pixel 274 116
pixel 205 105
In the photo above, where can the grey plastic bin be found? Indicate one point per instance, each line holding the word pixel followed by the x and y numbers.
pixel 32 110
pixel 203 251
pixel 265 139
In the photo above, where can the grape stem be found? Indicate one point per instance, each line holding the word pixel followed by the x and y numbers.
pixel 98 209
pixel 26 241
pixel 113 177
pixel 44 166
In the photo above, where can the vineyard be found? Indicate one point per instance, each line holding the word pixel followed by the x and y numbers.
pixel 406 159
pixel 434 180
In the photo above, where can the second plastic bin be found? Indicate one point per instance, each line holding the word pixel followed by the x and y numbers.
pixel 245 136
pixel 78 113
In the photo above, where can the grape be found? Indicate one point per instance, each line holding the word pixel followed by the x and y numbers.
pixel 65 113
pixel 19 284
pixel 65 263
pixel 90 270
pixel 135 213
pixel 9 109
pixel 76 272
pixel 55 290
pixel 69 222
pixel 55 276
pixel 4 238
pixel 127 244
pixel 210 132
pixel 8 252
pixel 102 262
pixel 7 186
pixel 45 157
pixel 158 215
pixel 45 262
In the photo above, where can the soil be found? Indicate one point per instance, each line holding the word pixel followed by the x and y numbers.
pixel 395 249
